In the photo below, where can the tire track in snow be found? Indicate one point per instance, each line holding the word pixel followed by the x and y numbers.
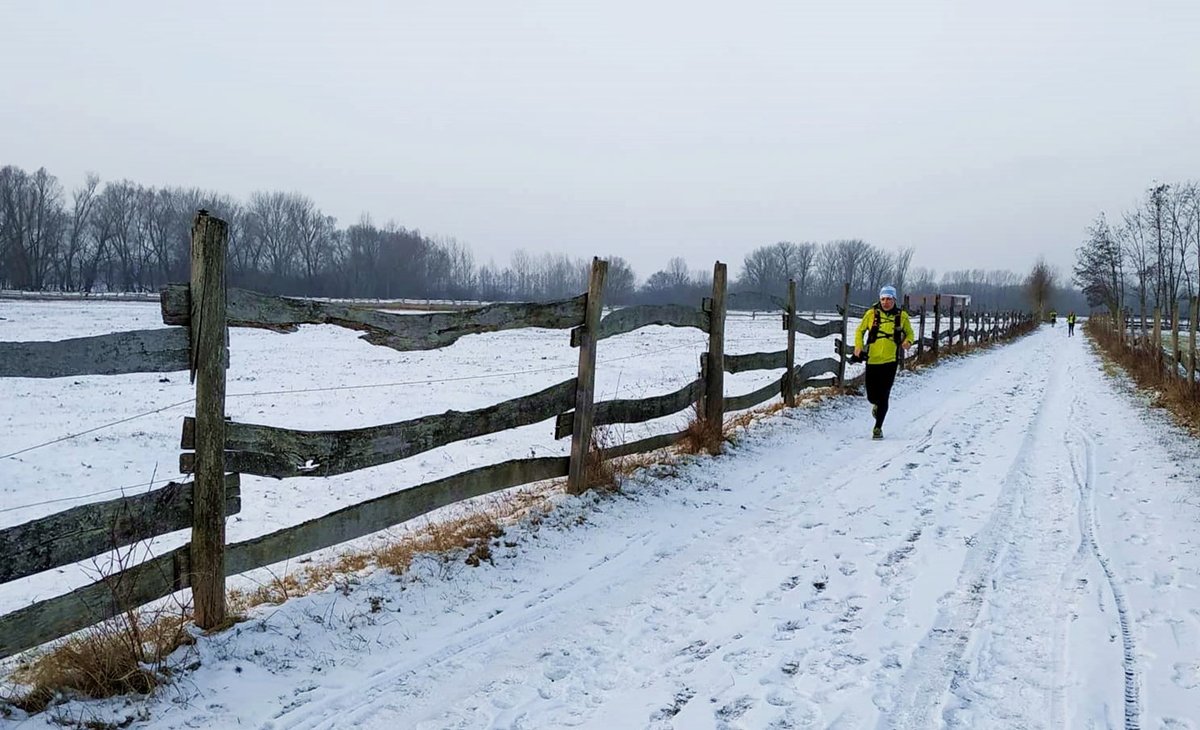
pixel 936 665
pixel 1083 453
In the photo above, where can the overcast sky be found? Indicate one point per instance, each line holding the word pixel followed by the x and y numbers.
pixel 984 133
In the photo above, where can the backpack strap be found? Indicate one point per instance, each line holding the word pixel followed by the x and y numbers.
pixel 873 333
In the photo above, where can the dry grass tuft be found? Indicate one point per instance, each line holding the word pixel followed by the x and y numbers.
pixel 700 434
pixel 1175 395
pixel 598 472
pixel 124 655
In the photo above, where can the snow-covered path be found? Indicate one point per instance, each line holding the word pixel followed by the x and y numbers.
pixel 1020 552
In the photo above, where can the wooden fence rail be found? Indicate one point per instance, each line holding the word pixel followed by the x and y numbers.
pixel 89 530
pixel 402 332
pixel 278 452
pixel 118 353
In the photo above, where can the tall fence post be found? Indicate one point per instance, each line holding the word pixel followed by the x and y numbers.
pixel 1193 315
pixel 585 382
pixel 921 331
pixel 1176 356
pixel 1156 339
pixel 207 332
pixel 789 377
pixel 846 348
pixel 714 381
pixel 950 336
pixel 937 325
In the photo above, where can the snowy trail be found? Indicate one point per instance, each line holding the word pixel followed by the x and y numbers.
pixel 1022 551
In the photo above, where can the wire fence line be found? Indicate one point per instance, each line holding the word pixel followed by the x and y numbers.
pixel 297 391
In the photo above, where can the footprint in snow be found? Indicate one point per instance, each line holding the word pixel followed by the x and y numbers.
pixel 1187 675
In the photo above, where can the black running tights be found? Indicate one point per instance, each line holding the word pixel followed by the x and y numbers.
pixel 879 387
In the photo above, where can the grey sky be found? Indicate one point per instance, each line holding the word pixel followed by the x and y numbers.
pixel 983 133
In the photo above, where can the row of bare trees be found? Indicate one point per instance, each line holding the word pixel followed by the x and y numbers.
pixel 1149 257
pixel 820 269
pixel 122 236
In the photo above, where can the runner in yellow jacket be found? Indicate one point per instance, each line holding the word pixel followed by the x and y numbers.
pixel 888 334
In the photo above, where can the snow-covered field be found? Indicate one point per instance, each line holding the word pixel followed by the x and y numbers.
pixel 1022 551
pixel 320 378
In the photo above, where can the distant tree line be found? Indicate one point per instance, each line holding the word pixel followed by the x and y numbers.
pixel 1148 257
pixel 123 236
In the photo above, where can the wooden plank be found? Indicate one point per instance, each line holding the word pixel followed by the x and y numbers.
pixel 641 446
pixel 749 400
pixel 89 530
pixel 628 319
pixel 637 410
pixel 56 617
pixel 388 510
pixel 210 241
pixel 281 452
pixel 756 361
pixel 585 381
pixel 398 331
pixel 161 350
pixel 817 367
pixel 817 330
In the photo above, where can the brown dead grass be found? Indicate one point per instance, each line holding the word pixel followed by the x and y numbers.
pixel 1144 366
pixel 124 655
pixel 700 434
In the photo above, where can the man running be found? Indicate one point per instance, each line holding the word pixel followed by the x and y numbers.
pixel 889 334
pixel 1070 324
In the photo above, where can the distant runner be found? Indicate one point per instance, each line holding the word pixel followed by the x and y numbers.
pixel 889 334
pixel 1070 324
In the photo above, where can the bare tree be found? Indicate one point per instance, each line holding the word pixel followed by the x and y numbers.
pixel 620 284
pixel 83 203
pixel 900 265
pixel 1099 267
pixel 1039 286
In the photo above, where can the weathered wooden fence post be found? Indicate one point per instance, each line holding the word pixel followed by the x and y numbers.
pixel 906 363
pixel 789 377
pixel 714 381
pixel 1156 339
pixel 1176 355
pixel 953 331
pixel 207 331
pixel 847 349
pixel 921 332
pixel 1193 315
pixel 937 323
pixel 585 383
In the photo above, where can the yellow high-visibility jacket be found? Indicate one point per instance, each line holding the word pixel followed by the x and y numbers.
pixel 883 350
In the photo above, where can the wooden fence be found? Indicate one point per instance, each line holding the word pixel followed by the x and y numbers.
pixel 217 450
pixel 1170 342
pixel 945 330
